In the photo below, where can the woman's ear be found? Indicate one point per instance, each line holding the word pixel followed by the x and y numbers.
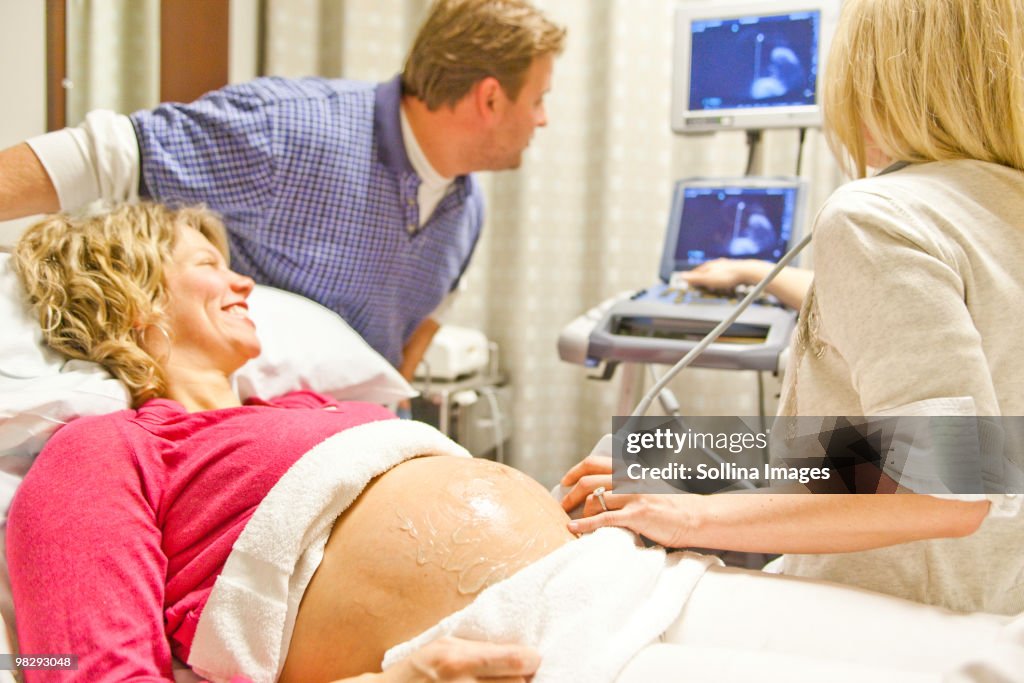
pixel 874 157
pixel 154 339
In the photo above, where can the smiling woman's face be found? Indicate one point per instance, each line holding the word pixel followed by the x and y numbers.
pixel 207 311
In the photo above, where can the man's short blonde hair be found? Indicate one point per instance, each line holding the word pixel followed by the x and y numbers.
pixel 927 80
pixel 464 41
pixel 97 283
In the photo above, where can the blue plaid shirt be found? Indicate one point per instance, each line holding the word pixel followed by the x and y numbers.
pixel 319 197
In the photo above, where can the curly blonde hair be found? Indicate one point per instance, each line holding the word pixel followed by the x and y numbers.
pixel 927 80
pixel 464 41
pixel 97 282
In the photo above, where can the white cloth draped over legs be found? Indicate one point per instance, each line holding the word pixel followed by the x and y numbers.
pixel 728 625
pixel 739 625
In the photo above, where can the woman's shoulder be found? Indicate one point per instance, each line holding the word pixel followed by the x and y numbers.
pixel 91 434
pixel 78 459
pixel 929 205
pixel 865 210
pixel 934 184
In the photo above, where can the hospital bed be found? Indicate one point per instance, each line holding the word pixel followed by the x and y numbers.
pixel 28 417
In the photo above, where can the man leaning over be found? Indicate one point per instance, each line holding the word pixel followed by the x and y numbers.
pixel 357 195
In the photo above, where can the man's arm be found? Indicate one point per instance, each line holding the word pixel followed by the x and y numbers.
pixel 416 346
pixel 102 159
pixel 70 168
pixel 25 187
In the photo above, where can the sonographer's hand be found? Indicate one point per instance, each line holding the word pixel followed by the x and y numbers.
pixel 726 274
pixel 664 519
pixel 790 287
pixel 584 477
pixel 454 660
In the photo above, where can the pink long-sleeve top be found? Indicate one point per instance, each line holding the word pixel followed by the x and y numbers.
pixel 125 520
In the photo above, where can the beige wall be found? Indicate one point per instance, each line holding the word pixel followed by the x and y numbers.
pixel 22 80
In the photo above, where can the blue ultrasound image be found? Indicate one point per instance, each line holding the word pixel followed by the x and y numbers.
pixel 719 223
pixel 754 62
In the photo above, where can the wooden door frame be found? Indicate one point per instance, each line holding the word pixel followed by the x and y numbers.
pixel 56 64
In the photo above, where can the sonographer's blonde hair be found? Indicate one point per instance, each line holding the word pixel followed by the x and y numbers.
pixel 927 80
pixel 97 283
pixel 464 41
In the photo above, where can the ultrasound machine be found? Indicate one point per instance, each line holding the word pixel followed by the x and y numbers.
pixel 750 65
pixel 710 218
pixel 737 66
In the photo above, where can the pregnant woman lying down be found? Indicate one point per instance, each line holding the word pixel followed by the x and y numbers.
pixel 299 538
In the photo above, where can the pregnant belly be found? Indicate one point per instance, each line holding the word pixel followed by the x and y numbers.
pixel 418 544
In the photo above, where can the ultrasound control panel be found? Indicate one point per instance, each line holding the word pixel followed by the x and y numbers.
pixel 662 323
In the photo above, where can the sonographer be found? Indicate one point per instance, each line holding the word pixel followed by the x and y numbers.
pixel 918 269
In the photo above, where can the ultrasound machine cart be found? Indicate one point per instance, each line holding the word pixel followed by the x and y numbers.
pixel 710 218
pixel 744 65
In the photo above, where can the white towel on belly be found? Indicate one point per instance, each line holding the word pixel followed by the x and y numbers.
pixel 588 607
pixel 246 625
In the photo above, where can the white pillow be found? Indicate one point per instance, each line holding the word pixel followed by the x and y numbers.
pixel 39 389
pixel 305 346
pixel 308 346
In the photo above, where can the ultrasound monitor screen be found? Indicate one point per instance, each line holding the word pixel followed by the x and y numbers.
pixel 733 222
pixel 758 61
